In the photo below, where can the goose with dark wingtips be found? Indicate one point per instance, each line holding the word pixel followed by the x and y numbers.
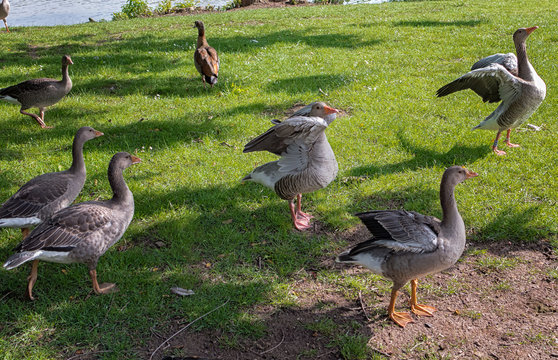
pixel 45 194
pixel 39 93
pixel 4 12
pixel 307 161
pixel 83 232
pixel 407 245
pixel 506 78
pixel 206 59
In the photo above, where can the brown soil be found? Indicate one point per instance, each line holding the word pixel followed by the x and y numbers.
pixel 499 301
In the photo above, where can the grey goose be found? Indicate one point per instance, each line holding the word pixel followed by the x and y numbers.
pixel 4 12
pixel 406 245
pixel 39 93
pixel 307 161
pixel 82 232
pixel 206 59
pixel 506 78
pixel 45 194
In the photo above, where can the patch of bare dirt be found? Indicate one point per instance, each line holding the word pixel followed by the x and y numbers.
pixel 500 301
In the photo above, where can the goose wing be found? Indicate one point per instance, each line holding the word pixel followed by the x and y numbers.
pixel 207 61
pixel 35 194
pixel 509 61
pixel 299 131
pixel 401 230
pixel 493 83
pixel 68 227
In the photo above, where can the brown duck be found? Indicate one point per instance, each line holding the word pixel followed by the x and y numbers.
pixel 205 57
pixel 39 93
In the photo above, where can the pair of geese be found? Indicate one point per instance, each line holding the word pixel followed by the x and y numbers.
pixel 44 92
pixel 79 233
pixel 405 245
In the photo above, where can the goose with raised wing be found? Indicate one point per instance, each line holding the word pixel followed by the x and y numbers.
pixel 45 194
pixel 39 93
pixel 406 245
pixel 307 160
pixel 83 232
pixel 507 78
pixel 206 59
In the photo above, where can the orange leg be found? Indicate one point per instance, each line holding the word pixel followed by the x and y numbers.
pixel 400 318
pixel 32 279
pixel 105 288
pixel 508 140
pixel 6 25
pixel 24 233
pixel 419 309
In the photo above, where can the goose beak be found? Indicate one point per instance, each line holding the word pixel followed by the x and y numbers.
pixel 98 133
pixel 531 29
pixel 329 110
pixel 135 160
pixel 470 174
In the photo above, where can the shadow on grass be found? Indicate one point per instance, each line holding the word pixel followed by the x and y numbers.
pixel 513 225
pixel 311 83
pixel 424 157
pixel 433 23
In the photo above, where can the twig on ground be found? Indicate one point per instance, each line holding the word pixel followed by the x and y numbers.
pixel 362 306
pixel 185 327
pixel 380 352
pixel 276 346
pixel 6 294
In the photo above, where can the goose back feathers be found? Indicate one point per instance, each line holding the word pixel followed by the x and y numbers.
pixel 206 59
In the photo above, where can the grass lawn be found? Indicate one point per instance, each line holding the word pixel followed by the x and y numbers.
pixel 196 226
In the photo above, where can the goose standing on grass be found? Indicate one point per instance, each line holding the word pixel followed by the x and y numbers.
pixel 45 194
pixel 407 245
pixel 506 78
pixel 307 161
pixel 206 58
pixel 39 93
pixel 83 232
pixel 4 11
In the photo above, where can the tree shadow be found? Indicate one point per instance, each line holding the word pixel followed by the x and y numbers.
pixel 310 83
pixel 513 225
pixel 435 23
pixel 424 157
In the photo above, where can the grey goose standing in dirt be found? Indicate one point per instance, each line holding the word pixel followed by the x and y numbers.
pixel 307 161
pixel 206 59
pixel 506 78
pixel 407 245
pixel 45 194
pixel 39 93
pixel 4 12
pixel 83 232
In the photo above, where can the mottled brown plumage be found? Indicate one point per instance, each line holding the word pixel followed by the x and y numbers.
pixel 206 59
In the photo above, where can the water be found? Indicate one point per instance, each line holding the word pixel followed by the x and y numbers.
pixel 67 12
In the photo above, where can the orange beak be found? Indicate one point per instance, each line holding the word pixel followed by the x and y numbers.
pixel 470 174
pixel 531 29
pixel 98 133
pixel 135 159
pixel 329 110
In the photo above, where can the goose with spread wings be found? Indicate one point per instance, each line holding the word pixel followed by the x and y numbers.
pixel 507 78
pixel 307 160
